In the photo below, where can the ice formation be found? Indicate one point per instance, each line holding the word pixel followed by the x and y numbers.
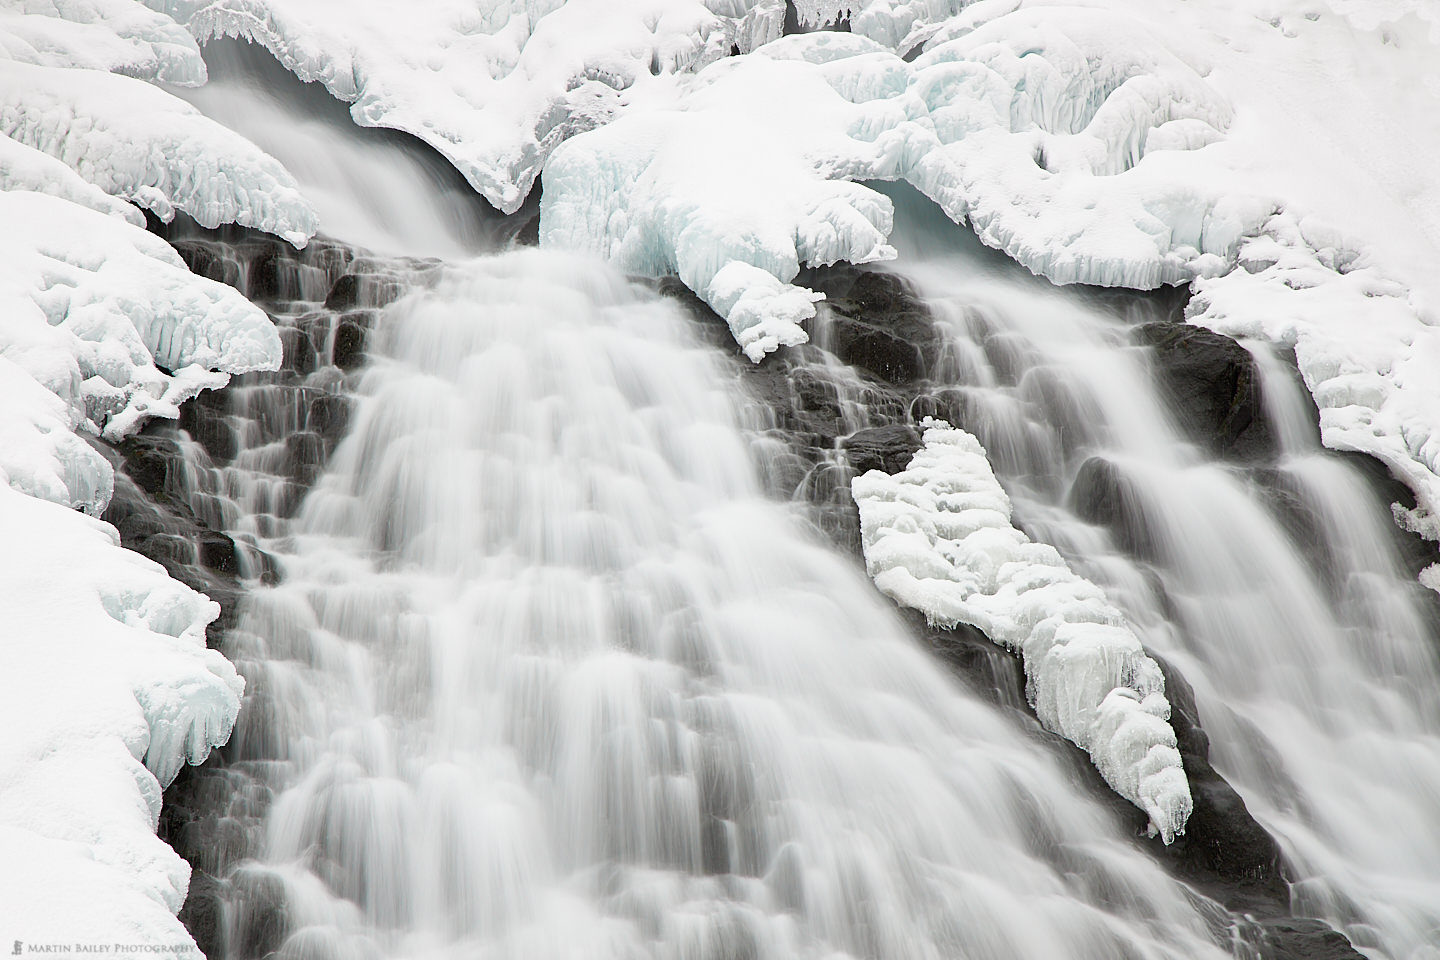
pixel 115 36
pixel 107 688
pixel 937 537
pixel 495 86
pixel 135 141
pixel 93 308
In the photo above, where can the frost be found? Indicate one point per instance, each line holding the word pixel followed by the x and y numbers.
pixel 938 537
pixel 139 143
pixel 93 308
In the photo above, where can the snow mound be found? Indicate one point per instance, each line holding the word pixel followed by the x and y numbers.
pixel 937 537
pixel 107 689
pixel 139 143
pixel 25 168
pixel 108 319
pixel 494 87
pixel 1067 137
pixel 40 455
pixel 115 36
pixel 673 191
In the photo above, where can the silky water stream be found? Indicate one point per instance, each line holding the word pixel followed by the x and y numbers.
pixel 1271 577
pixel 548 675
pixel 538 667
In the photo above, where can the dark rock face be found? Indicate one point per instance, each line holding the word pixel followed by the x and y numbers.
pixel 878 325
pixel 888 448
pixel 1212 383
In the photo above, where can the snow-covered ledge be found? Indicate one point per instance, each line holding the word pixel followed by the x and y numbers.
pixel 938 538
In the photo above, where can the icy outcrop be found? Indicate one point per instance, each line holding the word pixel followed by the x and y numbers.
pixel 1066 137
pixel 115 36
pixel 1366 357
pixel 494 87
pixel 937 537
pixel 107 688
pixel 139 143
pixel 25 168
pixel 669 192
pixel 107 318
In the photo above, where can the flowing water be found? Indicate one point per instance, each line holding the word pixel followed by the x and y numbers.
pixel 1312 650
pixel 547 674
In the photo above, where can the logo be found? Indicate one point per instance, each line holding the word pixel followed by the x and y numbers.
pixel 15 952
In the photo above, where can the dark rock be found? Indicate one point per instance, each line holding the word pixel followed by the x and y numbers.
pixel 348 351
pixel 363 290
pixel 1102 494
pixel 328 415
pixel 211 429
pixel 1290 938
pixel 300 356
pixel 307 456
pixel 888 448
pixel 1213 386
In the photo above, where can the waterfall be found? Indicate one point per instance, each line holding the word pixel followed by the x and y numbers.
pixel 540 666
pixel 1272 581
pixel 548 675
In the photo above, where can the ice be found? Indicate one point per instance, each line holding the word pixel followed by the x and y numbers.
pixel 39 454
pixel 106 317
pixel 493 86
pixel 107 688
pixel 25 168
pixel 137 142
pixel 938 537
pixel 116 36
pixel 669 192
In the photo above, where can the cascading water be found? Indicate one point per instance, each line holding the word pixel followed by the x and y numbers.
pixel 1311 649
pixel 548 676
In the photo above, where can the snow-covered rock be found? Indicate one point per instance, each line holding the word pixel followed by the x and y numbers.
pixel 25 168
pixel 938 537
pixel 493 86
pixel 106 689
pixel 107 318
pixel 137 142
pixel 115 36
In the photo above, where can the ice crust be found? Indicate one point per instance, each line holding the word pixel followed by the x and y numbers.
pixel 107 318
pixel 938 537
pixel 494 86
pixel 107 688
pixel 115 36
pixel 137 142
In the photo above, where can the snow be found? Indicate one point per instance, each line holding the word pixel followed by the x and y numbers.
pixel 137 142
pixel 494 87
pixel 106 317
pixel 116 36
pixel 107 689
pixel 938 537
pixel 25 168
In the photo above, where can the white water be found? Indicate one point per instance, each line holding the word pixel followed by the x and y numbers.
pixel 366 190
pixel 1314 660
pixel 549 677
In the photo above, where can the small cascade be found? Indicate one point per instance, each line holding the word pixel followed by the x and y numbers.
pixel 1271 577
pixel 548 674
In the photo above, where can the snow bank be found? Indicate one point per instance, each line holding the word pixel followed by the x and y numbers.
pixel 107 688
pixel 1118 143
pixel 494 86
pixel 668 191
pixel 136 141
pixel 25 168
pixel 937 537
pixel 115 36
pixel 93 308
